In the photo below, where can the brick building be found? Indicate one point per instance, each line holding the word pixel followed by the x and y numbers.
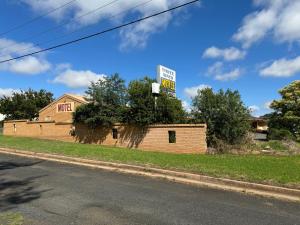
pixel 55 122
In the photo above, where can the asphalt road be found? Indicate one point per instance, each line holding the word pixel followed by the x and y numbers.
pixel 51 193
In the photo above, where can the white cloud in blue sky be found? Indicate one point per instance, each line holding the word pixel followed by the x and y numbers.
pixel 282 68
pixel 30 65
pixel 134 36
pixel 278 18
pixel 192 91
pixel 220 73
pixel 230 75
pixel 228 54
pixel 76 78
pixel 7 92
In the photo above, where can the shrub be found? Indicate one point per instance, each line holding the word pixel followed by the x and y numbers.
pixel 280 134
pixel 225 114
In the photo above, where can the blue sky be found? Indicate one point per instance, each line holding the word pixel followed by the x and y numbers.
pixel 249 46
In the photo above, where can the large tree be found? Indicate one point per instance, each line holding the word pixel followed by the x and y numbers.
pixel 107 102
pixel 142 109
pixel 24 104
pixel 286 116
pixel 225 114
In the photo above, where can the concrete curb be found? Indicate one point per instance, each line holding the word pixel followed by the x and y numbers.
pixel 282 193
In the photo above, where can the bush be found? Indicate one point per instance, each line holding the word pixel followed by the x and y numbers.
pixel 225 114
pixel 280 134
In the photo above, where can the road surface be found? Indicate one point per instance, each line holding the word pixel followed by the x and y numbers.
pixel 50 193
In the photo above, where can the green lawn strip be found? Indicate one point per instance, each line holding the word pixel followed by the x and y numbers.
pixel 279 170
pixel 11 219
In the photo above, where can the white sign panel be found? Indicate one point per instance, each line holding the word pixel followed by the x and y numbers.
pixel 167 79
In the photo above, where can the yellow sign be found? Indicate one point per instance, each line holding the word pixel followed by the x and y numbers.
pixel 168 84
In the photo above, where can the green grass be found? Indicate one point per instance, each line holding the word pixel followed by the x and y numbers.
pixel 11 219
pixel 275 145
pixel 279 170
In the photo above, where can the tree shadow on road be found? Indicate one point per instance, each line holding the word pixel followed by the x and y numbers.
pixel 15 191
pixel 12 165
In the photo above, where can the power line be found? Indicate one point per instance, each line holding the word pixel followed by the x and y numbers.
pixel 68 34
pixel 35 18
pixel 60 25
pixel 101 32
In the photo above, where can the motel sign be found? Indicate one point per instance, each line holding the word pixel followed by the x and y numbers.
pixel 167 79
pixel 65 107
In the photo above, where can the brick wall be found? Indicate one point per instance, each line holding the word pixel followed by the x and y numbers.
pixel 190 138
pixel 47 130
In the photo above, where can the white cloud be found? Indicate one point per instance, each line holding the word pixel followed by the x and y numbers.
pixel 279 18
pixel 77 78
pixel 288 26
pixel 231 75
pixel 139 34
pixel 133 36
pixel 30 65
pixel 7 92
pixel 193 91
pixel 254 110
pixel 282 68
pixel 216 68
pixel 187 106
pixel 255 26
pixel 217 71
pixel 228 54
pixel 267 105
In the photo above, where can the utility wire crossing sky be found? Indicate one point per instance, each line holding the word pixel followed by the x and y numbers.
pixel 101 32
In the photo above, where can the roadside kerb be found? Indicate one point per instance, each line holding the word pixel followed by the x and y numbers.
pixel 181 177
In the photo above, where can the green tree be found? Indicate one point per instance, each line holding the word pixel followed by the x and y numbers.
pixel 108 98
pixel 169 110
pixel 25 104
pixel 224 113
pixel 141 102
pixel 286 116
pixel 142 110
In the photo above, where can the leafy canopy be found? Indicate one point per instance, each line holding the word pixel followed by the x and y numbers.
pixel 111 102
pixel 224 113
pixel 142 109
pixel 107 99
pixel 286 116
pixel 25 104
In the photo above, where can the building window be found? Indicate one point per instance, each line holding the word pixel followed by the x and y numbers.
pixel 41 129
pixel 172 136
pixel 115 133
pixel 15 128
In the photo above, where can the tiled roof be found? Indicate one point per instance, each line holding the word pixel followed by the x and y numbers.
pixel 78 97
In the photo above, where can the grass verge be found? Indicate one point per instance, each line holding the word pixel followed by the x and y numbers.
pixel 275 145
pixel 11 219
pixel 277 170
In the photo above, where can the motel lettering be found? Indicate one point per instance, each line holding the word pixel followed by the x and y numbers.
pixel 65 107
